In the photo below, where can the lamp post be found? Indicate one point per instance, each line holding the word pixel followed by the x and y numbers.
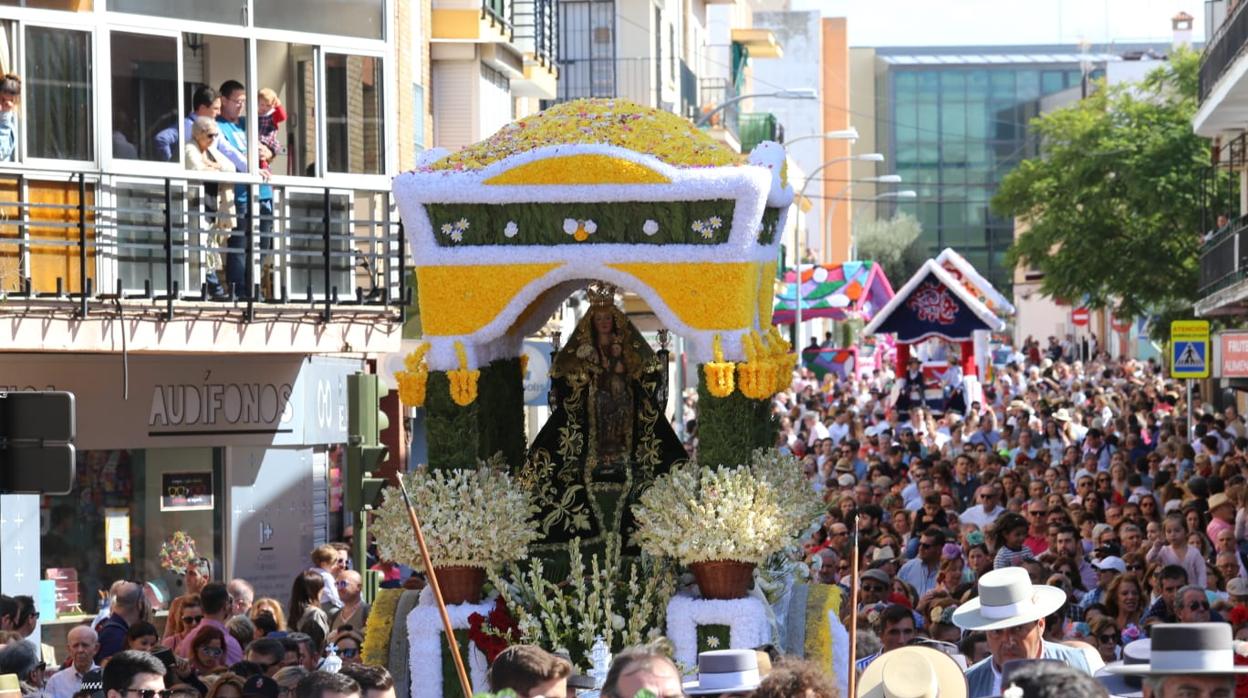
pixel 797 238
pixel 845 134
pixel 797 93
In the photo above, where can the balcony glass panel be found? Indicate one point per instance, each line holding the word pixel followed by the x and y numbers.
pixel 353 114
pixel 59 90
pixel 222 11
pixel 145 93
pixel 360 18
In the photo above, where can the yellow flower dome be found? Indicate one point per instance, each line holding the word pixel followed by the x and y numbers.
pixel 666 136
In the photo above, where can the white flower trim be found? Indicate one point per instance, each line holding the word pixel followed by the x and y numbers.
pixel 424 637
pixel 840 651
pixel 748 185
pixel 650 227
pixel 746 618
pixel 511 230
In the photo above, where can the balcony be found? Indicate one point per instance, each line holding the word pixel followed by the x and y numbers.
pixel 536 26
pixel 725 124
pixel 758 127
pixel 77 257
pixel 1223 91
pixel 472 21
pixel 646 81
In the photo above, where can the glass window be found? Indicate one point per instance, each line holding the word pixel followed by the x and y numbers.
pixel 1002 84
pixel 145 96
pixel 58 94
pixel 977 85
pixel 289 70
pixel 928 85
pixel 353 116
pixel 952 84
pixel 1052 81
pixel 223 11
pixel 1029 85
pixel 362 18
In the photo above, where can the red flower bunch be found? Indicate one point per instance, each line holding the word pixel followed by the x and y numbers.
pixel 1239 615
pixel 494 633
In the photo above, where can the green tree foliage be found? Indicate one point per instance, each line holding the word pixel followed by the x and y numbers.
pixel 1111 207
pixel 894 244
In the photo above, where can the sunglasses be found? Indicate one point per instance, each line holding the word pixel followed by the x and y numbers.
pixel 1198 606
pixel 1109 637
pixel 341 584
pixel 874 589
pixel 211 651
pixel 1135 568
pixel 192 620
pixel 349 652
pixel 151 693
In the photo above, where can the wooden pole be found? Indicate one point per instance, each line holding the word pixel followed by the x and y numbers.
pixel 853 611
pixel 437 591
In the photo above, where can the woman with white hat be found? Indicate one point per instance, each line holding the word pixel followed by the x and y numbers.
pixel 1011 611
pixel 913 672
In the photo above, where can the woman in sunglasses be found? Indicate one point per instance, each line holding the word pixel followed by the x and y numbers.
pixel 1106 638
pixel 208 651
pixel 348 643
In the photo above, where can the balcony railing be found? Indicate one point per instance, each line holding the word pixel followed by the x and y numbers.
pixel 104 238
pixel 716 91
pixel 1223 47
pixel 498 11
pixel 1224 258
pixel 688 92
pixel 757 127
pixel 536 25
pixel 633 79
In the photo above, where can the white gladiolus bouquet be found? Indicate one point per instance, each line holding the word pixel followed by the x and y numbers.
pixel 471 518
pixel 743 513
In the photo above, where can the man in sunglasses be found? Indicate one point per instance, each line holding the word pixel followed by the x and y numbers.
pixel 134 674
pixel 1193 606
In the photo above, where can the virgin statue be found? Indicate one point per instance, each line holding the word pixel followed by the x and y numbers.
pixel 608 437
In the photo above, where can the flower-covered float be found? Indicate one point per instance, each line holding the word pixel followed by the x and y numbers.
pixel 598 197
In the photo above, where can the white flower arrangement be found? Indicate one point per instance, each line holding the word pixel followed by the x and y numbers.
pixel 747 621
pixel 511 230
pixel 743 513
pixel 425 642
pixel 473 518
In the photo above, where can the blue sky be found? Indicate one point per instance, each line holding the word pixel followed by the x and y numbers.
pixel 963 22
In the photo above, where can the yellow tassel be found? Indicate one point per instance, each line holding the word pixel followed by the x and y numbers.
pixel 524 364
pixel 412 381
pixel 463 381
pixel 719 373
pixel 758 374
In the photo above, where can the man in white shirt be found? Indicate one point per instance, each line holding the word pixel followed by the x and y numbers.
pixel 83 643
pixel 816 431
pixel 985 511
pixel 840 428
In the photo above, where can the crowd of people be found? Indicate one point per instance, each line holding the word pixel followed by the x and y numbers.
pixel 1033 539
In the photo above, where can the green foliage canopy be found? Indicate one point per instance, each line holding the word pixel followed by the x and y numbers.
pixel 1111 207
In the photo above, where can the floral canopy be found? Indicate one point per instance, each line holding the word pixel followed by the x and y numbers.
pixel 503 231
pixel 836 291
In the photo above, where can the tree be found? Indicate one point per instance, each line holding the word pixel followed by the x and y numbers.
pixel 1112 204
pixel 894 244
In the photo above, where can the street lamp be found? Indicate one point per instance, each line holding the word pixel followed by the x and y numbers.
pixel 798 93
pixel 845 134
pixel 797 236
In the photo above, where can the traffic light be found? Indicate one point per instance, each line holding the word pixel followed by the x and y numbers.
pixel 365 452
pixel 37 431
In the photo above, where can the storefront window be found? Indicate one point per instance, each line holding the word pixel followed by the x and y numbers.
pixel 224 11
pixel 57 104
pixel 113 524
pixel 145 94
pixel 362 18
pixel 353 118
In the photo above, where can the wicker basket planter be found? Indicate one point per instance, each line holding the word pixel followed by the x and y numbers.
pixel 723 579
pixel 461 584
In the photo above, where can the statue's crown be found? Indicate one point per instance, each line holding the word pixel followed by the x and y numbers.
pixel 600 294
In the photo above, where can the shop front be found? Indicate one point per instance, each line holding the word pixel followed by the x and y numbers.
pixel 235 453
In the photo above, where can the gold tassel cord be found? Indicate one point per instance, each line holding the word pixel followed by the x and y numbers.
pixel 463 380
pixel 719 377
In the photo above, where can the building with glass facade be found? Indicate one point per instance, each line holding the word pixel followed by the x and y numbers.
pixel 953 121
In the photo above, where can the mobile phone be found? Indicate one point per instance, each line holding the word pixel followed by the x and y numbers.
pixel 165 655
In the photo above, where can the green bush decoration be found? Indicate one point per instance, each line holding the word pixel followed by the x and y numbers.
pixel 714 636
pixel 771 221
pixel 618 222
pixel 730 428
pixel 500 401
pixel 451 429
pixel 450 677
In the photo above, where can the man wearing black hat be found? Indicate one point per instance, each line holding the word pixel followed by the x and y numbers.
pixel 1187 660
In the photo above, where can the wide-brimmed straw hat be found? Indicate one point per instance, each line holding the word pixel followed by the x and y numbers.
pixel 725 671
pixel 913 672
pixel 1187 648
pixel 1007 598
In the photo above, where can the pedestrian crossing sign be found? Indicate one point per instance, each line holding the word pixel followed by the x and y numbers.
pixel 1189 349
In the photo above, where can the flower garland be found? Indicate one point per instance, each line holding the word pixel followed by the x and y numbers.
pixel 376 649
pixel 495 632
pixel 177 553
pixel 746 619
pixel 412 382
pixel 841 662
pixel 822 600
pixel 719 373
pixel 424 634
pixel 463 380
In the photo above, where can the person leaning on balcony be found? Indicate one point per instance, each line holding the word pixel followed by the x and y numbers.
pixel 201 154
pixel 10 96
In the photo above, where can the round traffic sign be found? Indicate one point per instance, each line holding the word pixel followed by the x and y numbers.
pixel 1120 324
pixel 1079 316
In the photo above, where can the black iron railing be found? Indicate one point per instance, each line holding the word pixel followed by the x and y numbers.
pixel 1221 50
pixel 101 238
pixel 1224 257
pixel 498 11
pixel 536 24
pixel 717 91
pixel 624 78
pixel 688 92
